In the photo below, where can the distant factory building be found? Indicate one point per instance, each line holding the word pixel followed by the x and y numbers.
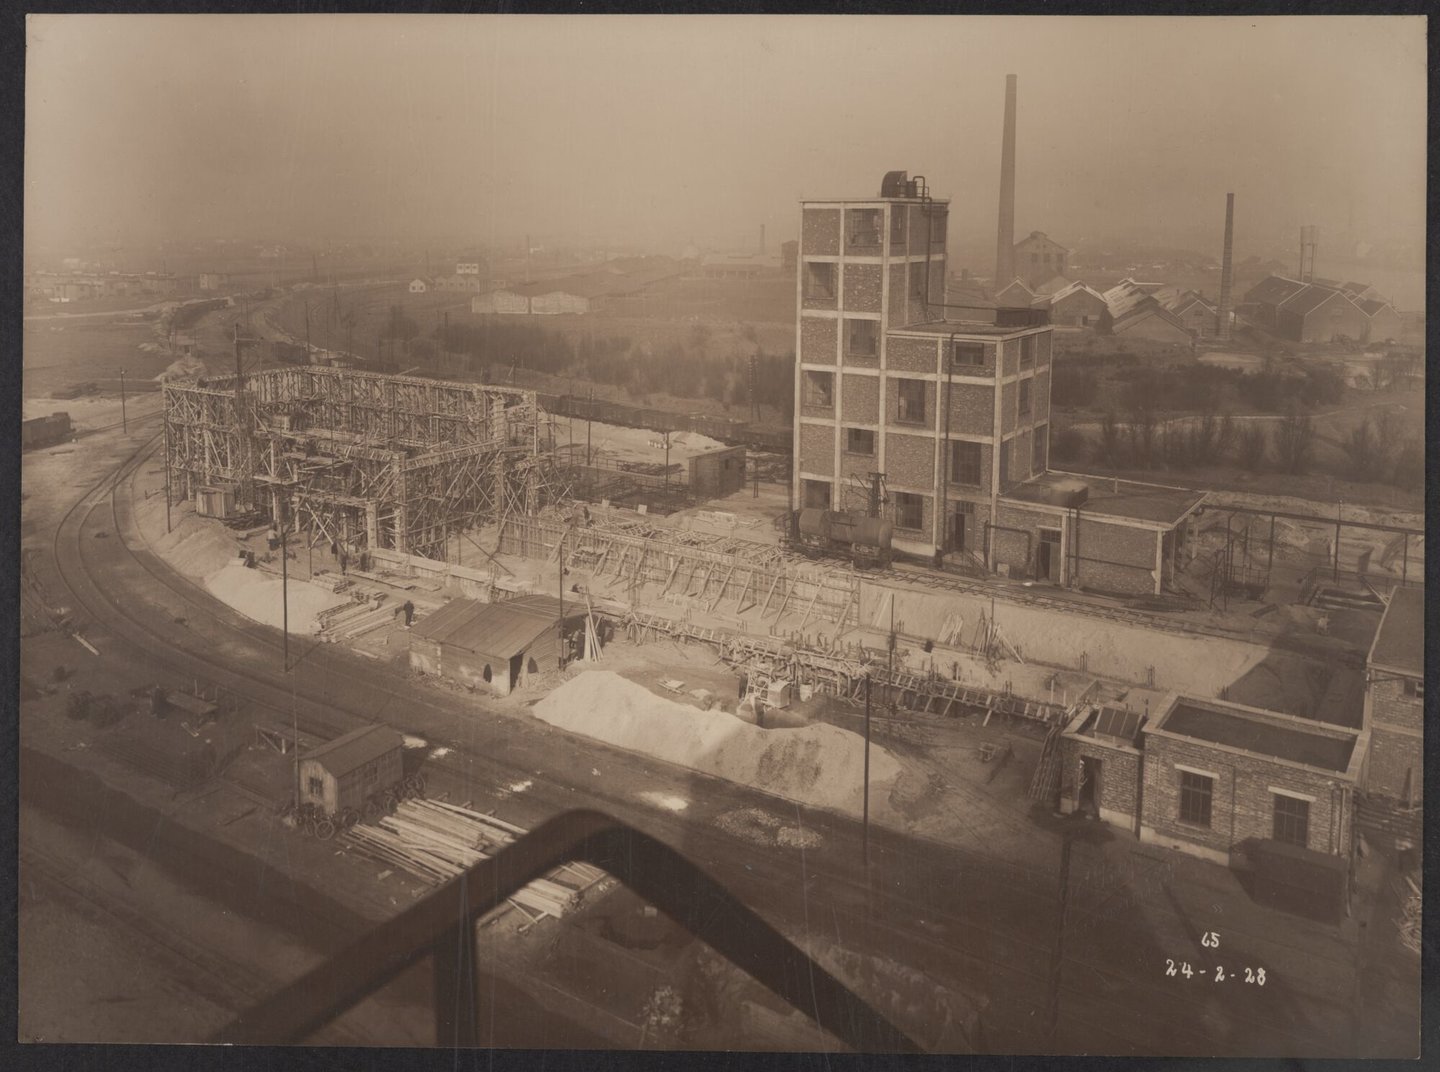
pixel 213 280
pixel 419 285
pixel 739 265
pixel 1136 310
pixel 1383 322
pixel 1038 258
pixel 1015 295
pixel 1314 312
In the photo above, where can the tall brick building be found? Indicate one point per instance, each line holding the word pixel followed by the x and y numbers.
pixel 1395 701
pixel 953 411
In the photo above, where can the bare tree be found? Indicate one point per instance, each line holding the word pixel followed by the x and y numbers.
pixel 1295 443
pixel 1360 447
pixel 1252 443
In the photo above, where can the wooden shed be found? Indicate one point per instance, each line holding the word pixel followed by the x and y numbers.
pixel 344 772
pixel 717 473
pixel 493 645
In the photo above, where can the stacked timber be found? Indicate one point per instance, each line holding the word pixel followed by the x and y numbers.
pixel 437 842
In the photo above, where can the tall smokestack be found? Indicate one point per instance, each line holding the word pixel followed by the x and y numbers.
pixel 1224 325
pixel 1005 239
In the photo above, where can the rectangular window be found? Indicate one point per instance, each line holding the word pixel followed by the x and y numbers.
pixel 965 460
pixel 1039 458
pixel 860 441
pixel 897 224
pixel 911 409
pixel 1027 351
pixel 862 227
pixel 819 389
pixel 909 510
pixel 819 280
pixel 1005 462
pixel 1025 397
pixel 1414 689
pixel 317 786
pixel 917 279
pixel 862 337
pixel 937 228
pixel 815 494
pixel 1196 791
pixel 1292 820
pixel 969 354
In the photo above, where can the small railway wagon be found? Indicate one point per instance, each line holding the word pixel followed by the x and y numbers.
pixel 344 773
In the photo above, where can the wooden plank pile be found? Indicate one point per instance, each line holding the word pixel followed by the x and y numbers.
pixel 436 841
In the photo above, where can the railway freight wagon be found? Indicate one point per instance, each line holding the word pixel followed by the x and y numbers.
pixel 865 540
pixel 342 775
pixel 44 431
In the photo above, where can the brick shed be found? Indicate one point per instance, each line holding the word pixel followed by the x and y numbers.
pixel 494 645
pixel 717 473
pixel 1395 701
pixel 1100 765
pixel 1216 776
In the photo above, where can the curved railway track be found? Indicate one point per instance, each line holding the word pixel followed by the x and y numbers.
pixel 1016 962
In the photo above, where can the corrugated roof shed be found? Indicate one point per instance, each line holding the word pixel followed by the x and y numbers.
pixel 1400 640
pixel 356 748
pixel 492 628
pixel 1311 298
pixel 1372 306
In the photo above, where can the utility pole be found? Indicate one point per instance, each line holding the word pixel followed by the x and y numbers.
pixel 560 622
pixel 285 593
pixel 667 460
pixel 1338 504
pixel 165 419
pixel 124 425
pixel 865 813
pixel 589 415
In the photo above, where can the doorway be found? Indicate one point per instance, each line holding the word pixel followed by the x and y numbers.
pixel 1089 795
pixel 958 530
pixel 1048 562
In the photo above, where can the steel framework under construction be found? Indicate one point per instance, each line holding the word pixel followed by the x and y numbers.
pixel 361 459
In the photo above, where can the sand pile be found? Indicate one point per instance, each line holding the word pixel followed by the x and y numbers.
pixel 820 766
pixel 260 597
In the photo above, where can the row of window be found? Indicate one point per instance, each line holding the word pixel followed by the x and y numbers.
pixel 907 511
pixel 1290 816
pixel 821 276
pixel 862 226
pixel 819 391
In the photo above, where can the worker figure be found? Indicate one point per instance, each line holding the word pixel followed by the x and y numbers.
pixel 273 538
pixel 409 610
pixel 744 685
pixel 344 562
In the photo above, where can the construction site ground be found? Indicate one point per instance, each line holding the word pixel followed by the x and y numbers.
pixel 975 915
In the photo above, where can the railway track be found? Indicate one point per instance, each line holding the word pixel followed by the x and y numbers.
pixel 1017 962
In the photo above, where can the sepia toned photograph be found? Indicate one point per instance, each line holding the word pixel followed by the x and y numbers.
pixel 785 534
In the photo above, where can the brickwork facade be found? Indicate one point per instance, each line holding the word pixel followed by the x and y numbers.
pixel 863 287
pixel 1395 714
pixel 1116 767
pixel 910 355
pixel 820 232
pixel 817 340
pixel 817 448
pixel 1116 558
pixel 909 460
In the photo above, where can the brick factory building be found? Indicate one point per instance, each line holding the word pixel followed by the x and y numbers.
pixel 1395 702
pixel 1038 258
pixel 1214 779
pixel 951 415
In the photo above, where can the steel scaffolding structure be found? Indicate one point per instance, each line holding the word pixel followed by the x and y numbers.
pixel 359 458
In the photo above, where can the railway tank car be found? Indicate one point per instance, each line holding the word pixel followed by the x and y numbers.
pixel 865 540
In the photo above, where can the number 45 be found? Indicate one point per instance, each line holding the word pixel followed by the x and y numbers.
pixel 1210 940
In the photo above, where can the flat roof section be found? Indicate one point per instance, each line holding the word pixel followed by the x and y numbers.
pixel 1237 729
pixel 1400 640
pixel 959 327
pixel 1111 498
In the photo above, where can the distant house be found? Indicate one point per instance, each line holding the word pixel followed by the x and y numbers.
pixel 1197 314
pixel 1076 306
pixel 463 283
pixel 467 268
pixel 419 285
pixel 1015 295
pixel 1038 258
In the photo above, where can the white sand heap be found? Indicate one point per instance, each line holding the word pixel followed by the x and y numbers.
pixel 819 765
pixel 260 597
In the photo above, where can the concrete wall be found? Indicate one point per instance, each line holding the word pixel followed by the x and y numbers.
pixel 1116 558
pixel 1242 804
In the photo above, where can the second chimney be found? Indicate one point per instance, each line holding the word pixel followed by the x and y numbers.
pixel 1005 237
pixel 1223 327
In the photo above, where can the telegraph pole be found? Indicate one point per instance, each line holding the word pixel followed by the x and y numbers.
pixel 865 814
pixel 285 593
pixel 124 425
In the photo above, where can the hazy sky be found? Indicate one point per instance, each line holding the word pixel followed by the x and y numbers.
pixel 657 129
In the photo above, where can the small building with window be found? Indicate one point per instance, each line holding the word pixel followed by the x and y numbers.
pixel 494 646
pixel 343 773
pixel 1214 779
